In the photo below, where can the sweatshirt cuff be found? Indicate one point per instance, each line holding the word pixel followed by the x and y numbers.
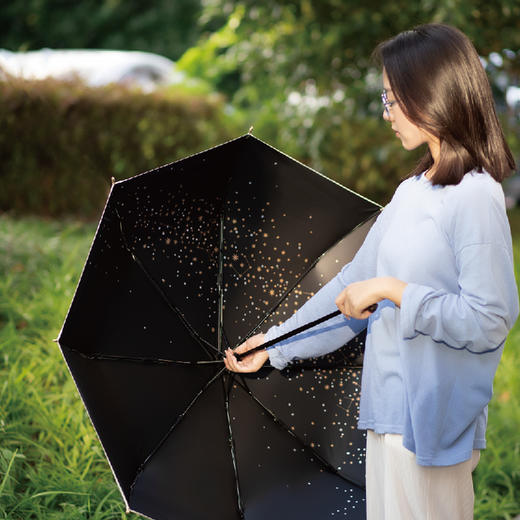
pixel 276 357
pixel 411 301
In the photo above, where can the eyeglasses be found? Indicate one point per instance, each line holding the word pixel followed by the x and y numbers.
pixel 387 104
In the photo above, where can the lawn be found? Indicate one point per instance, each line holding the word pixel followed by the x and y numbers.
pixel 51 463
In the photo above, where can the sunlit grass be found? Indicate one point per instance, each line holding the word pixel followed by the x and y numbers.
pixel 497 478
pixel 51 463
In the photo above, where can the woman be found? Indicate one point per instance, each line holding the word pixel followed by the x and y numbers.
pixel 438 262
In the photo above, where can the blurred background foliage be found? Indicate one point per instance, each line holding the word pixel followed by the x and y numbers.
pixel 160 26
pixel 60 142
pixel 302 72
pixel 299 71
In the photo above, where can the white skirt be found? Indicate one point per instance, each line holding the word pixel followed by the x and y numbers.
pixel 400 489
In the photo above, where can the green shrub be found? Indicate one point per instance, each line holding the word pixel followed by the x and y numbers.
pixel 359 152
pixel 61 142
pixel 364 155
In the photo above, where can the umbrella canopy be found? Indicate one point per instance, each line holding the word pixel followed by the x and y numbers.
pixel 191 258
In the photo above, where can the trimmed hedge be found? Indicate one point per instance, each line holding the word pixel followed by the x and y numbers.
pixel 61 142
pixel 359 152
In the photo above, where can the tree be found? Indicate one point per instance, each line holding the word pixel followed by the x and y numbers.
pixel 303 73
pixel 280 45
pixel 161 26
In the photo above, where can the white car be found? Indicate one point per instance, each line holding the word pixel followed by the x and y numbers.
pixel 95 67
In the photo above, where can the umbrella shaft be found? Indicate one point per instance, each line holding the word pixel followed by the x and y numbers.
pixel 292 333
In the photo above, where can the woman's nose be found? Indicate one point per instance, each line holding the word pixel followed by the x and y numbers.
pixel 386 115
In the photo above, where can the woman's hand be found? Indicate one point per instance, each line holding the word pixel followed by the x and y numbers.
pixel 250 363
pixel 355 299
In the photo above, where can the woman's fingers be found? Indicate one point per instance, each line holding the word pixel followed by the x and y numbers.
pixel 250 343
pixel 342 302
pixel 231 361
pixel 249 363
pixel 358 300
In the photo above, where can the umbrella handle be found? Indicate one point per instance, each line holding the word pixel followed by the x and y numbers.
pixel 371 308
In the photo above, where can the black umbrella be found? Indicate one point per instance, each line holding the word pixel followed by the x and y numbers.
pixel 189 259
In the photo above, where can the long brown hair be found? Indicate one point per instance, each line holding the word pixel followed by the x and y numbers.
pixel 441 86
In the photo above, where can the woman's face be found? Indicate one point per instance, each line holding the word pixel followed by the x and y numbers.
pixel 410 134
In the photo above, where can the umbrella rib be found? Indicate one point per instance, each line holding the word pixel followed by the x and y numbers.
pixel 337 364
pixel 219 283
pixel 97 356
pixel 304 274
pixel 232 447
pixel 193 333
pixel 225 337
pixel 284 426
pixel 173 426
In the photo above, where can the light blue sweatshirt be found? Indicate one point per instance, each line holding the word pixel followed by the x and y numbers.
pixel 429 365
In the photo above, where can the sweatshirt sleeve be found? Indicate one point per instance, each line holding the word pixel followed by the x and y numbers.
pixel 480 314
pixel 334 333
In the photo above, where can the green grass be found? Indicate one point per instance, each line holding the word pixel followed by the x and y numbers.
pixel 497 477
pixel 51 463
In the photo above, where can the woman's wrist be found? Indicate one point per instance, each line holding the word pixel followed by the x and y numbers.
pixel 392 289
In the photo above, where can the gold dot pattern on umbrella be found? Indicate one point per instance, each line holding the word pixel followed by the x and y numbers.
pixel 191 258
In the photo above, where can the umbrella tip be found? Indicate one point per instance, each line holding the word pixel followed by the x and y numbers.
pixel 250 130
pixel 55 340
pixel 113 180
